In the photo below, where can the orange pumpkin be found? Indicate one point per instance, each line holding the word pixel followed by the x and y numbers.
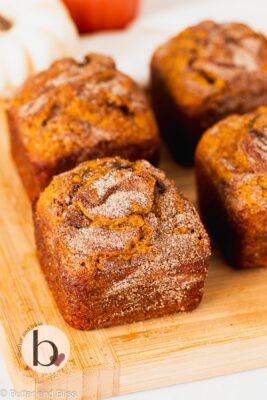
pixel 93 15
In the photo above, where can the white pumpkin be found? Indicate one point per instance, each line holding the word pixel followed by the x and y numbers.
pixel 33 33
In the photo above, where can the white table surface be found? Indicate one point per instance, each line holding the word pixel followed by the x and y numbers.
pixel 132 49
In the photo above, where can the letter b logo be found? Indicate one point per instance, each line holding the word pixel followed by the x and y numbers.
pixel 45 349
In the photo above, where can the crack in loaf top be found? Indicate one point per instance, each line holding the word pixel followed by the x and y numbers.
pixel 77 105
pixel 208 59
pixel 115 211
pixel 236 149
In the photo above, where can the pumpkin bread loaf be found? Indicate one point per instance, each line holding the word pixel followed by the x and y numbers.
pixel 73 112
pixel 118 243
pixel 204 74
pixel 231 167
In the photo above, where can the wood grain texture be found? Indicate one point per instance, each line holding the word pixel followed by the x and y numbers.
pixel 227 333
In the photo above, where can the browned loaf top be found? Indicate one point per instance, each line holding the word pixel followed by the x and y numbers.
pixel 231 164
pixel 209 71
pixel 119 243
pixel 76 111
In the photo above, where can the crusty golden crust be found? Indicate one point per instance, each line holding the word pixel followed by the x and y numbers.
pixel 231 168
pixel 118 243
pixel 203 74
pixel 73 112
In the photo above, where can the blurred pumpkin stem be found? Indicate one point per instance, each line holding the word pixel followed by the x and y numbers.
pixel 5 24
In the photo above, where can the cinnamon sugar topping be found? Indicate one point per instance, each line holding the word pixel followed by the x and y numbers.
pixel 124 210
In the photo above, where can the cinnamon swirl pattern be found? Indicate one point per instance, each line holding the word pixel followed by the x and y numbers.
pixel 231 168
pixel 204 74
pixel 77 111
pixel 118 243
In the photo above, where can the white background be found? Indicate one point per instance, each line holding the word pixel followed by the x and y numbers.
pixel 145 35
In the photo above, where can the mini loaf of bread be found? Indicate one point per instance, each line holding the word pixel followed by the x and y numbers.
pixel 231 166
pixel 118 243
pixel 75 111
pixel 207 72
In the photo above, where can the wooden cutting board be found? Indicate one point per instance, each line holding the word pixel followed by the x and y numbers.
pixel 226 334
